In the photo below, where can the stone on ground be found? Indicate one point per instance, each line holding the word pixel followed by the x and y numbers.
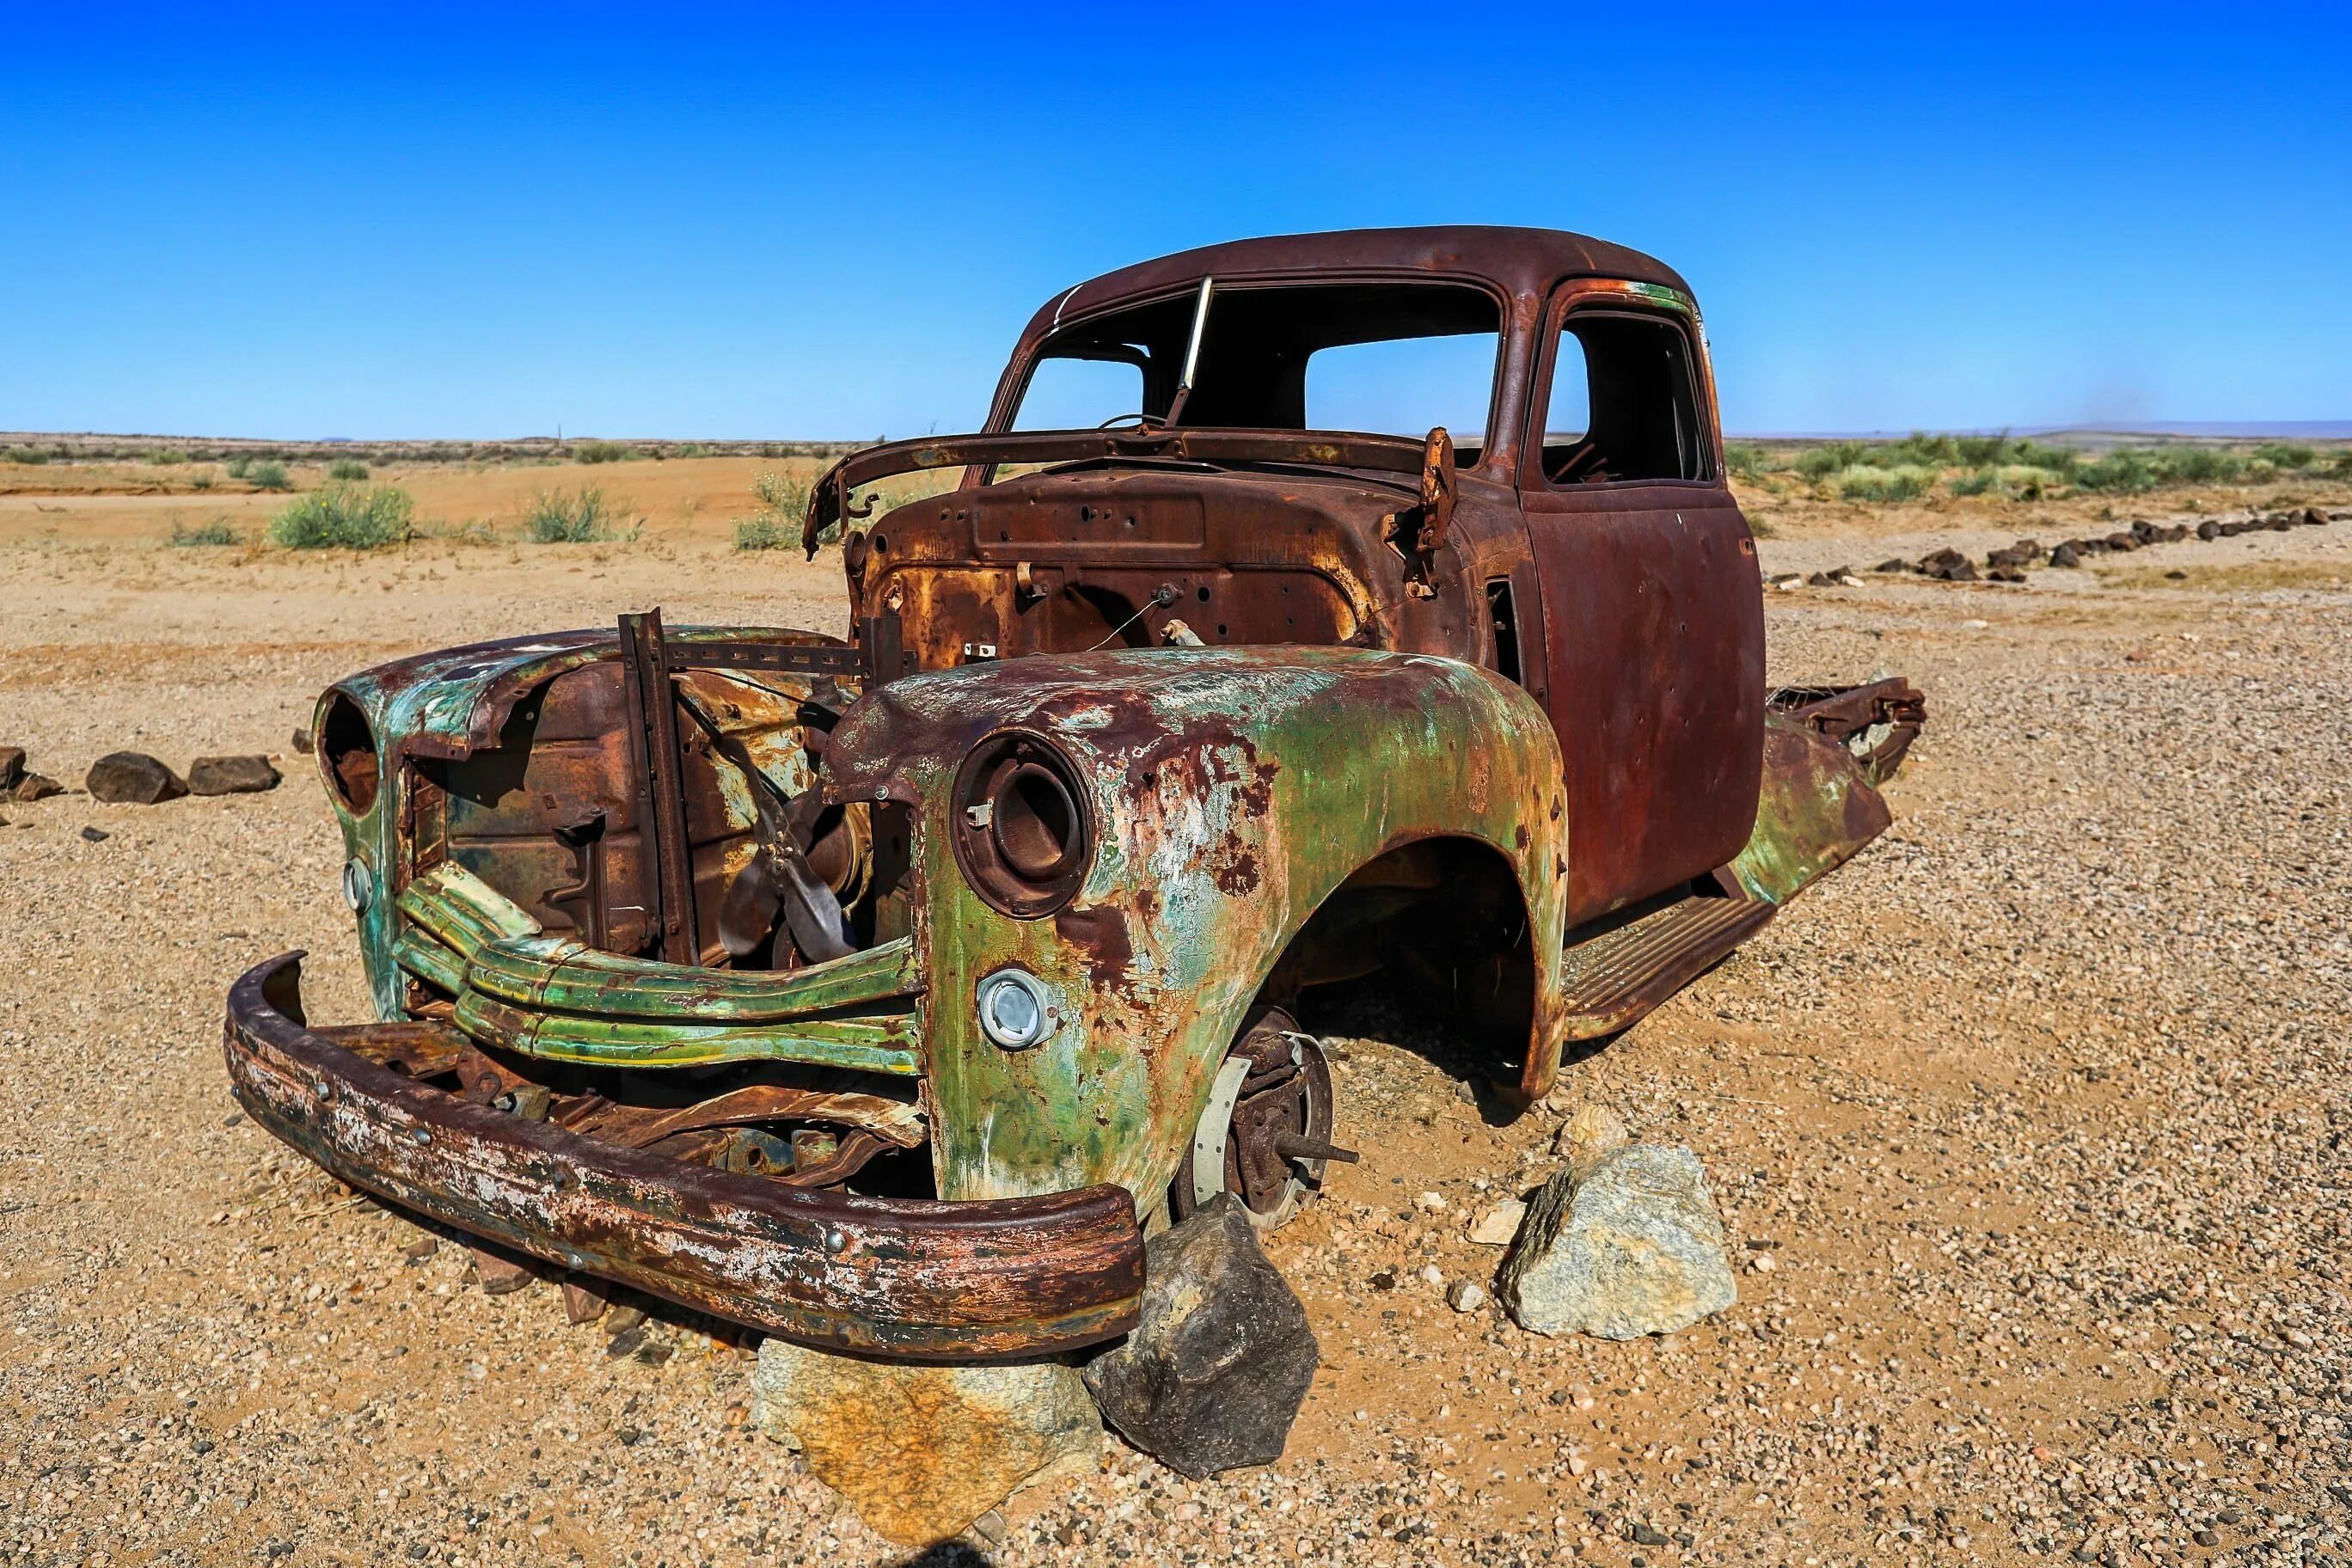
pixel 231 775
pixel 1628 1246
pixel 1498 1224
pixel 1215 1372
pixel 37 786
pixel 1590 1134
pixel 132 778
pixel 923 1451
pixel 11 766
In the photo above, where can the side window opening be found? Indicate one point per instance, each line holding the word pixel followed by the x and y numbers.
pixel 1503 615
pixel 1624 403
pixel 1073 392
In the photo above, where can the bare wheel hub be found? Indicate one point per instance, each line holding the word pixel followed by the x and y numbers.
pixel 1270 1104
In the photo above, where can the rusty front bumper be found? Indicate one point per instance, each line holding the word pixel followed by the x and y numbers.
pixel 918 1279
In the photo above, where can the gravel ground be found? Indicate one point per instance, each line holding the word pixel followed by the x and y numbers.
pixel 2028 1128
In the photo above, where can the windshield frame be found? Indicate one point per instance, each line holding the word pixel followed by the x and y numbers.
pixel 1013 387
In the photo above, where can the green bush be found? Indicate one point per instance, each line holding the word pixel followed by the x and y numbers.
pixel 694 449
pixel 347 469
pixel 1864 482
pixel 2126 470
pixel 603 452
pixel 2040 455
pixel 1746 459
pixel 32 455
pixel 344 516
pixel 239 466
pixel 562 517
pixel 2197 464
pixel 2286 456
pixel 1975 481
pixel 216 532
pixel 1920 448
pixel 1980 451
pixel 162 457
pixel 266 476
pixel 783 503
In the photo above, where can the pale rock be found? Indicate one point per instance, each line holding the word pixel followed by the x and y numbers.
pixel 1633 1246
pixel 1589 1135
pixel 922 1452
pixel 1498 1224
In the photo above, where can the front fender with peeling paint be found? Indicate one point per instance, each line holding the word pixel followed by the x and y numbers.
pixel 1234 790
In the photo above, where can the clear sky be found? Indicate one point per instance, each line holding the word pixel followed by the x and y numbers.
pixel 414 221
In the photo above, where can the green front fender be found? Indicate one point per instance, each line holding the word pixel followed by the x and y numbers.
pixel 1233 791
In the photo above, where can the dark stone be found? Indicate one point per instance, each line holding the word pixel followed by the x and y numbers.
pixel 231 775
pixel 1895 564
pixel 2314 518
pixel 2032 548
pixel 2176 533
pixel 2065 555
pixel 1644 1535
pixel 11 766
pixel 37 786
pixel 2208 528
pixel 1215 1372
pixel 132 778
pixel 625 1341
pixel 2145 531
pixel 95 835
pixel 2121 540
pixel 2006 574
pixel 2231 530
pixel 2279 522
pixel 302 741
pixel 1821 580
pixel 2000 559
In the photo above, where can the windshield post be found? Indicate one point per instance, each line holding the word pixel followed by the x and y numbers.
pixel 1192 352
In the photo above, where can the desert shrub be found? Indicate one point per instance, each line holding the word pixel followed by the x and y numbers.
pixel 694 449
pixel 1821 462
pixel 1918 449
pixel 2288 456
pixel 603 452
pixel 216 532
pixel 33 454
pixel 162 457
pixel 2197 464
pixel 2042 455
pixel 1980 451
pixel 267 475
pixel 239 466
pixel 1975 481
pixel 1863 482
pixel 2126 470
pixel 783 503
pixel 347 469
pixel 2344 462
pixel 567 517
pixel 344 517
pixel 1746 459
pixel 203 479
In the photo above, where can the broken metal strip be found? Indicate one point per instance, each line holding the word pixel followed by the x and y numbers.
pixel 887 1044
pixel 791 659
pixel 429 961
pixel 652 733
pixel 896 1121
pixel 563 977
pixel 920 1279
pixel 461 911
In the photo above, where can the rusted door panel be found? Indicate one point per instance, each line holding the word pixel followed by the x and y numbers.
pixel 1654 629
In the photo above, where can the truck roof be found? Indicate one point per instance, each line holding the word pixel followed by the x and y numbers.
pixel 1520 260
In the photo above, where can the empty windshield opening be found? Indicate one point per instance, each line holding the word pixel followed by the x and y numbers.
pixel 1385 358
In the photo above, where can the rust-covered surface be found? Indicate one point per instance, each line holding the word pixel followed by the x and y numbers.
pixel 681 938
pixel 923 1281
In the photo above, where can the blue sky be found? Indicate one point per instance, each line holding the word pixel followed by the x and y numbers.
pixel 416 221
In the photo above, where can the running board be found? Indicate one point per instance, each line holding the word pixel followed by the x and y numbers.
pixel 1609 980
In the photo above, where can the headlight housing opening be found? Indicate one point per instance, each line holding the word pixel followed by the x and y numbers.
pixel 1023 833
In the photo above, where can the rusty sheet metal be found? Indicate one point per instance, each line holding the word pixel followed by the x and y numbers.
pixel 550 998
pixel 1816 809
pixel 1231 792
pixel 918 1279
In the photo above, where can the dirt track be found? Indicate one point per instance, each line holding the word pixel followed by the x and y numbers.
pixel 2036 1110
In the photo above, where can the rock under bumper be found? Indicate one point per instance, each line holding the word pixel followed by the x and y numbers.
pixel 918 1279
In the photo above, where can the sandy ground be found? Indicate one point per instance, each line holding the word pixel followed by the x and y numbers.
pixel 2028 1127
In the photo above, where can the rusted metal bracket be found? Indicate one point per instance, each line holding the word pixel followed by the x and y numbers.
pixel 1417 532
pixel 653 740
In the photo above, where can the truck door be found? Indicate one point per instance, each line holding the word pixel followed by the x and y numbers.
pixel 1652 609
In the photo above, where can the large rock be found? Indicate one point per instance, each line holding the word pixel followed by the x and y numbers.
pixel 11 766
pixel 1215 1372
pixel 231 775
pixel 132 778
pixel 922 1451
pixel 1628 1245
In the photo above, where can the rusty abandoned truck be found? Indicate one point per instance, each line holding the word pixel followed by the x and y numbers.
pixel 884 992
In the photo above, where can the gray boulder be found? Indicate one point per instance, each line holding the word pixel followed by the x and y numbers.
pixel 132 778
pixel 1215 1372
pixel 1628 1247
pixel 231 775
